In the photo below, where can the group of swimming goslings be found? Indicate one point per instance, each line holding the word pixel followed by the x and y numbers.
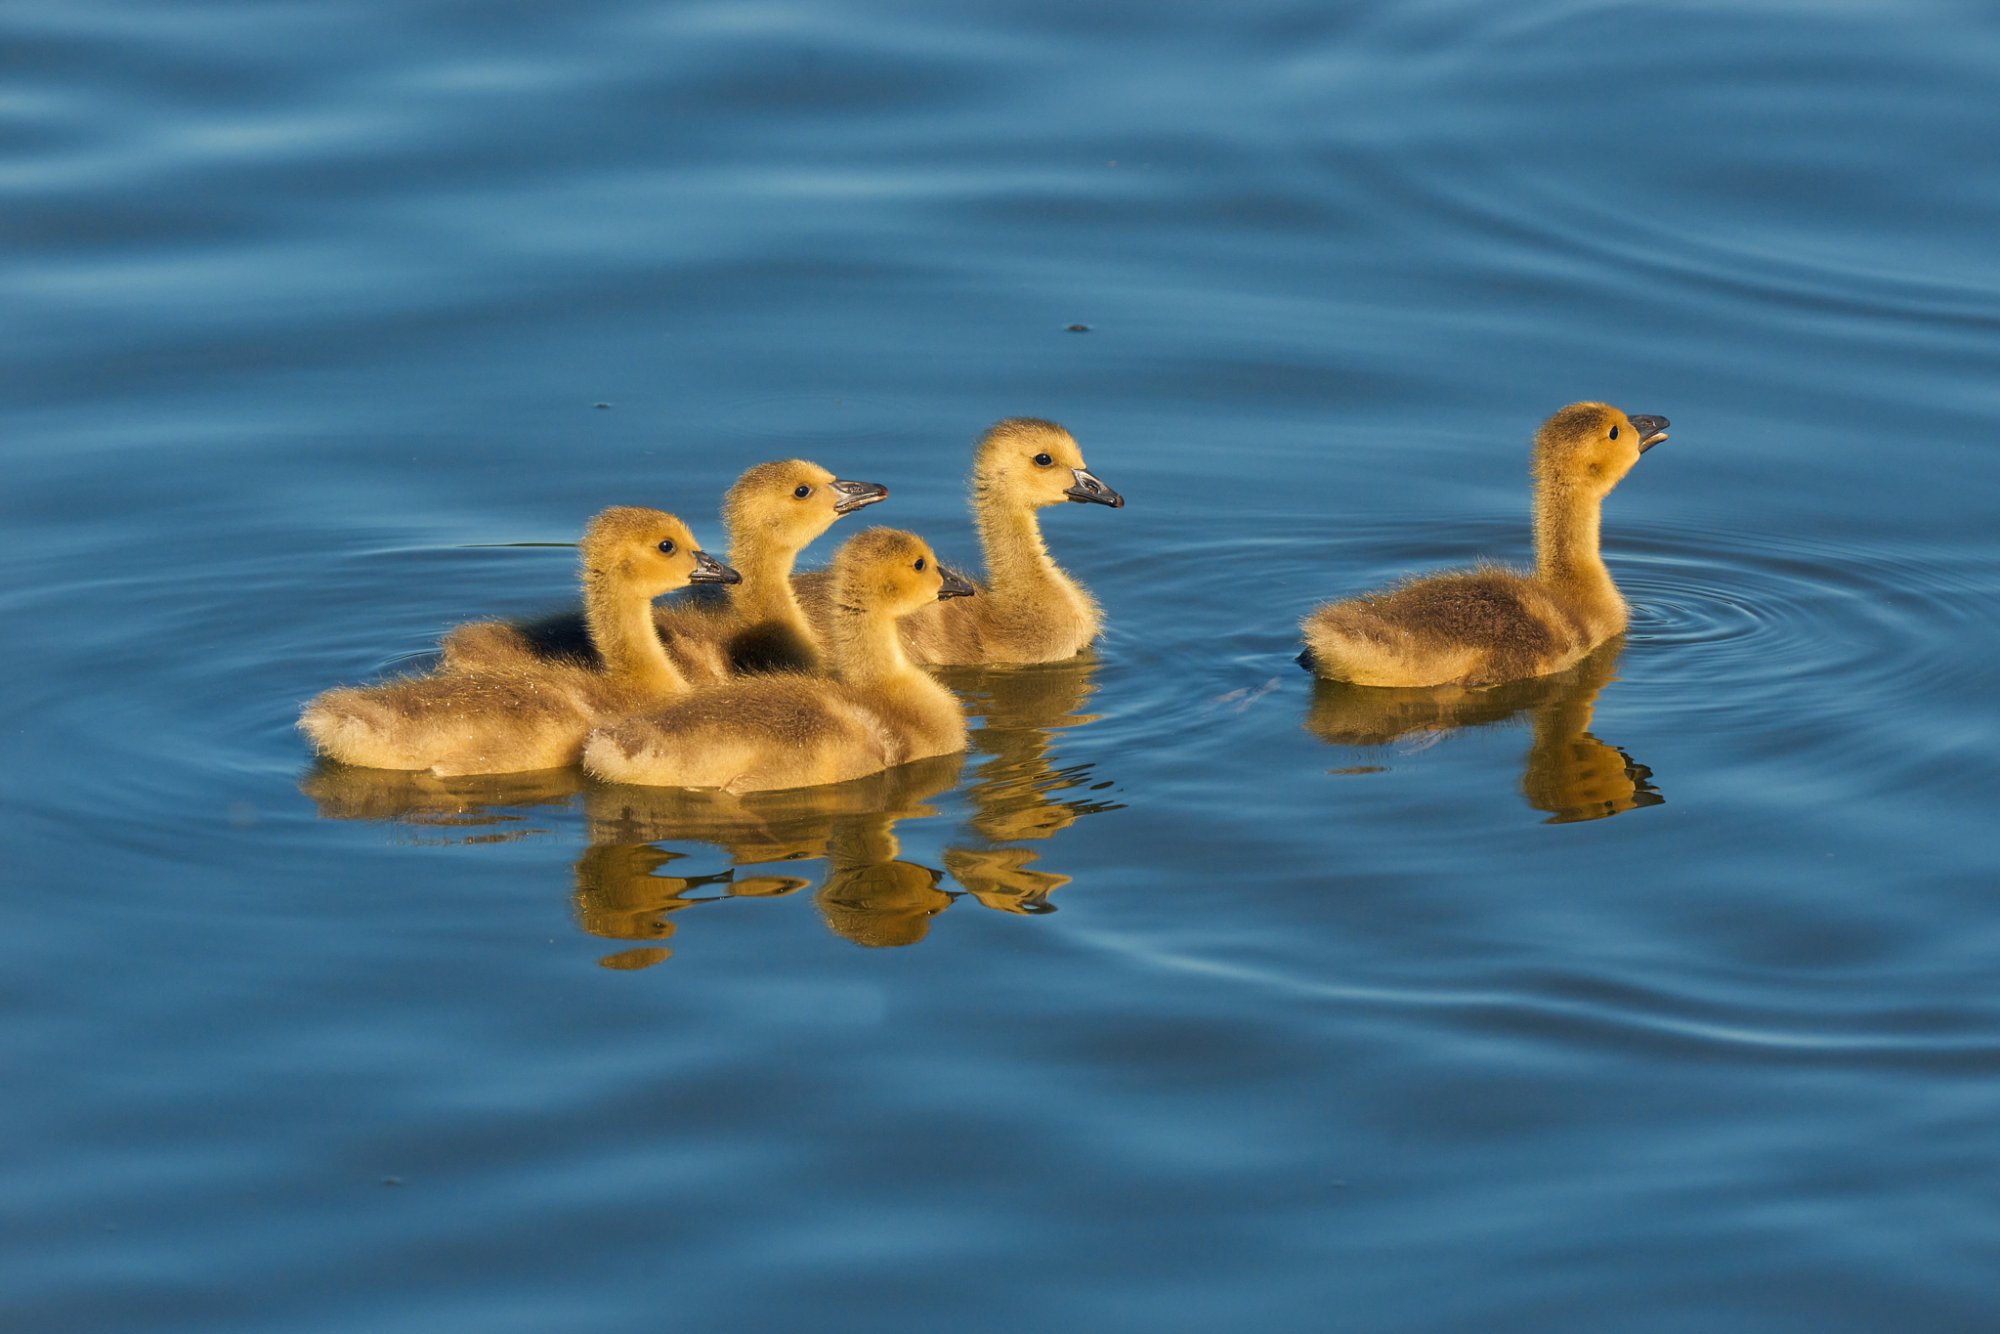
pixel 757 678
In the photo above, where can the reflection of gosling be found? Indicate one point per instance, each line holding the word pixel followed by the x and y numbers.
pixel 1028 610
pixel 532 715
pixel 1020 793
pixel 466 808
pixel 1479 627
pixel 1001 878
pixel 1568 772
pixel 881 904
pixel 621 895
pixel 772 513
pixel 791 824
pixel 1571 774
pixel 791 730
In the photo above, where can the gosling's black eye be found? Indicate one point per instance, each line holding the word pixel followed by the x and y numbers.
pixel 1043 460
pixel 920 562
pixel 802 491
pixel 1614 433
pixel 666 546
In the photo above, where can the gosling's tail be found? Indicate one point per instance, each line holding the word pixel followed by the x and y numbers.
pixel 478 645
pixel 348 726
pixel 1346 643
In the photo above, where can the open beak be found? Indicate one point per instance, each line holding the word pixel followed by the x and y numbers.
pixel 854 495
pixel 955 585
pixel 1652 430
pixel 1092 491
pixel 709 570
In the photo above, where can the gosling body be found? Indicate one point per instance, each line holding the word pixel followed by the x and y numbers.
pixel 526 714
pixel 1029 609
pixel 772 513
pixel 788 730
pixel 1484 626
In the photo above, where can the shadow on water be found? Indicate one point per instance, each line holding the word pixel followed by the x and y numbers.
pixel 626 886
pixel 1567 773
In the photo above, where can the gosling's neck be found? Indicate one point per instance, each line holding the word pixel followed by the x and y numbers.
pixel 1018 563
pixel 866 649
pixel 620 621
pixel 1566 551
pixel 766 591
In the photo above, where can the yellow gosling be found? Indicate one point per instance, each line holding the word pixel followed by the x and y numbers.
pixel 791 730
pixel 1483 626
pixel 1028 608
pixel 532 714
pixel 772 513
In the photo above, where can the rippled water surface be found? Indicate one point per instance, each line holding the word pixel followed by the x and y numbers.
pixel 1654 996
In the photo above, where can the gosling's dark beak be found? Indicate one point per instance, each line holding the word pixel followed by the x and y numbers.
pixel 1089 489
pixel 709 570
pixel 956 585
pixel 1652 430
pixel 853 495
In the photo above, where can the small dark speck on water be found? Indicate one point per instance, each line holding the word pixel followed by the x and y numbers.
pixel 392 1181
pixel 1078 328
pixel 601 407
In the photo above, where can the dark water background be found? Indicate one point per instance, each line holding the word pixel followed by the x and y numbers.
pixel 1190 999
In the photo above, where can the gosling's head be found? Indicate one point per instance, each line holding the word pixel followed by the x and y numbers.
pixel 1590 446
pixel 791 502
pixel 892 570
pixel 1035 463
pixel 646 551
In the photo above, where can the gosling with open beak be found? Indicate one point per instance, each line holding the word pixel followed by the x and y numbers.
pixel 1652 430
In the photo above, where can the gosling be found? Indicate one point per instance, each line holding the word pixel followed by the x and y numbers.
pixel 790 730
pixel 532 714
pixel 1484 626
pixel 772 513
pixel 1028 609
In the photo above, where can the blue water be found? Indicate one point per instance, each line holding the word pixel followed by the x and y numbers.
pixel 1658 997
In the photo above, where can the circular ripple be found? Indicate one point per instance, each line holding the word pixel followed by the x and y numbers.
pixel 1727 611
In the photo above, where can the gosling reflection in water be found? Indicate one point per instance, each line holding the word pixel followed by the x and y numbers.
pixel 1568 773
pixel 622 895
pixel 636 876
pixel 869 896
pixel 463 808
pixel 1021 794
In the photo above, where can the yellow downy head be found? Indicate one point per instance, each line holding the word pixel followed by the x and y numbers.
pixel 785 505
pixel 1035 463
